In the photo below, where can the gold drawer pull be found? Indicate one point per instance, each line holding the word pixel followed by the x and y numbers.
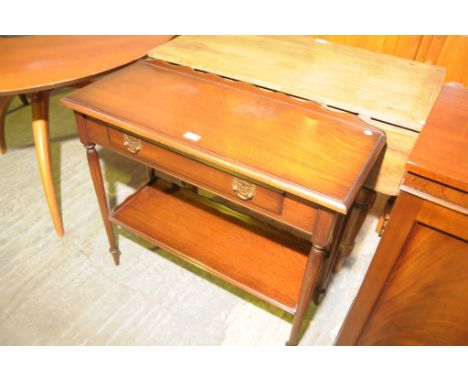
pixel 132 144
pixel 243 189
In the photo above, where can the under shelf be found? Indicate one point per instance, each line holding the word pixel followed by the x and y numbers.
pixel 255 257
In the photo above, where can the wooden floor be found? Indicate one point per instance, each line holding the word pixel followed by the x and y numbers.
pixel 67 291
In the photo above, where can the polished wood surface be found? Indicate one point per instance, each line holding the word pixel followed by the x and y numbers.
pixel 445 138
pixel 311 274
pixel 96 174
pixel 242 164
pixel 319 224
pixel 387 88
pixel 38 64
pixel 441 194
pixel 446 220
pixel 33 63
pixel 295 147
pixel 262 261
pixel 272 204
pixel 4 103
pixel 40 126
pixel 98 182
pixel 389 248
pixel 383 90
pixel 414 292
pixel 198 173
pixel 429 310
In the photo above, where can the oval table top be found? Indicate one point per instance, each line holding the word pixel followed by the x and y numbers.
pixel 34 63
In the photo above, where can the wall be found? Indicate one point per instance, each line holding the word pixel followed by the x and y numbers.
pixel 448 51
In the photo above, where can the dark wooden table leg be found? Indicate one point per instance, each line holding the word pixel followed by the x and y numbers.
pixel 4 103
pixel 312 271
pixel 330 260
pixel 24 99
pixel 96 174
pixel 151 174
pixel 383 218
pixel 40 126
pixel 357 215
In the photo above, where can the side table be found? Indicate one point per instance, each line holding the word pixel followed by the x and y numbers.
pixel 282 176
pixel 35 65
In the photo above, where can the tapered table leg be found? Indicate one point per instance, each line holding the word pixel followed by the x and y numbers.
pixel 96 174
pixel 40 125
pixel 354 222
pixel 4 103
pixel 308 285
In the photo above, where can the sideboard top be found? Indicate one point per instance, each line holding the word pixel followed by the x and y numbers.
pixel 441 151
pixel 268 137
pixel 378 86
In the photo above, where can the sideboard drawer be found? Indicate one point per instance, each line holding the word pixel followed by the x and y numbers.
pixel 198 173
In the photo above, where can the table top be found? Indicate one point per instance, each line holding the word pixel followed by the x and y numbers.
pixel 384 87
pixel 271 138
pixel 34 63
pixel 441 151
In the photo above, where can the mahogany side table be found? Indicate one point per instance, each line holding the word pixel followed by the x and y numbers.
pixel 282 176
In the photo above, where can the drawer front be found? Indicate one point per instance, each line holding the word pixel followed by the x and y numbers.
pixel 197 173
pixel 283 208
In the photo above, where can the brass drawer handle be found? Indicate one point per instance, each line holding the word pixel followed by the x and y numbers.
pixel 132 144
pixel 243 189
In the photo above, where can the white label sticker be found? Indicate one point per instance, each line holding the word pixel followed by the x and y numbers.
pixel 192 136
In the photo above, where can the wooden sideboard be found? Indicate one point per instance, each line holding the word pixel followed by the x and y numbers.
pixel 265 185
pixel 415 291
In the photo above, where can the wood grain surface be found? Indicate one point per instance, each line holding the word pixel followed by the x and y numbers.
pixel 274 206
pixel 266 263
pixel 415 289
pixel 306 151
pixel 429 310
pixel 33 63
pixel 384 87
pixel 441 153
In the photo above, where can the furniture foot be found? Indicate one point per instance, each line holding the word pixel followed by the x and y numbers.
pixel 319 295
pixel 308 285
pixel 383 219
pixel 40 125
pixel 96 175
pixel 4 103
pixel 115 255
